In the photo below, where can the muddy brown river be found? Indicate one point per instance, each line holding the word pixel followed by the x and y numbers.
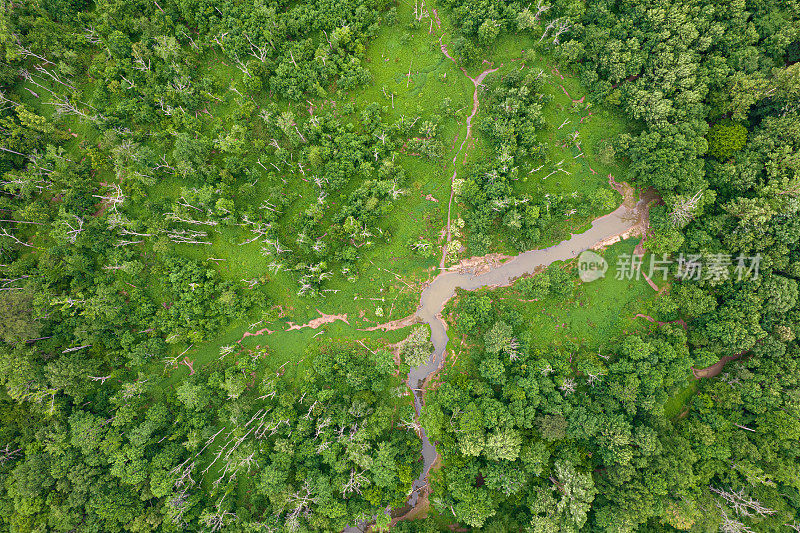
pixel 443 287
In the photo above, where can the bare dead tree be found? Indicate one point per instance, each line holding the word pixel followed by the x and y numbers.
pixel 65 107
pixel 75 228
pixel 568 386
pixel 322 424
pixel 139 62
pixel 513 349
pixel 114 198
pixel 219 39
pixel 181 84
pixel 165 165
pixel 354 484
pixel 419 10
pixel 218 520
pixel 275 245
pixel 741 503
pixel 260 414
pixel 27 52
pixel 27 76
pixel 12 152
pixel 133 389
pixel 90 34
pixel 68 301
pixel 126 242
pixel 684 209
pixel 54 77
pixel 300 502
pixel 184 479
pixel 592 378
pixel 5 99
pixel 4 232
pixel 234 89
pixel 558 26
pixel 178 504
pixel 259 52
pixel 562 25
pixel 185 203
pixel 353 432
pixel 5 282
pixel 188 236
pixel 307 416
pixel 242 66
pixel 412 425
pixel 225 350
pixel 540 9
pixel 396 191
pixel 729 524
pixel 179 218
pixel 389 96
pixel 7 453
pixel 76 348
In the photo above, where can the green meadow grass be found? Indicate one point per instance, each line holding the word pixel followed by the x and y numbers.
pixel 674 407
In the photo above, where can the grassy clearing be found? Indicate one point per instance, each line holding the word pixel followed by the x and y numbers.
pixel 411 77
pixel 675 406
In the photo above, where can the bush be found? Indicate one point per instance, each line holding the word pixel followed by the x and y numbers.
pixel 725 139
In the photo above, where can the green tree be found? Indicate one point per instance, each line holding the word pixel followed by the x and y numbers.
pixel 725 139
pixel 17 323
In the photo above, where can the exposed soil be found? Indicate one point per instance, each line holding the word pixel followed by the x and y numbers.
pixel 317 322
pixel 480 264
pixel 256 334
pixel 650 282
pixel 420 510
pixel 400 323
pixel 647 198
pixel 716 369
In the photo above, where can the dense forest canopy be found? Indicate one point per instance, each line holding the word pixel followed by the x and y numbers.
pixel 186 185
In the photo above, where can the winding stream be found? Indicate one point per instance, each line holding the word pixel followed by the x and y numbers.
pixel 443 287
pixel 434 297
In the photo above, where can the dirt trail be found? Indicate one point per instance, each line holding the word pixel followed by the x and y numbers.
pixel 476 82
